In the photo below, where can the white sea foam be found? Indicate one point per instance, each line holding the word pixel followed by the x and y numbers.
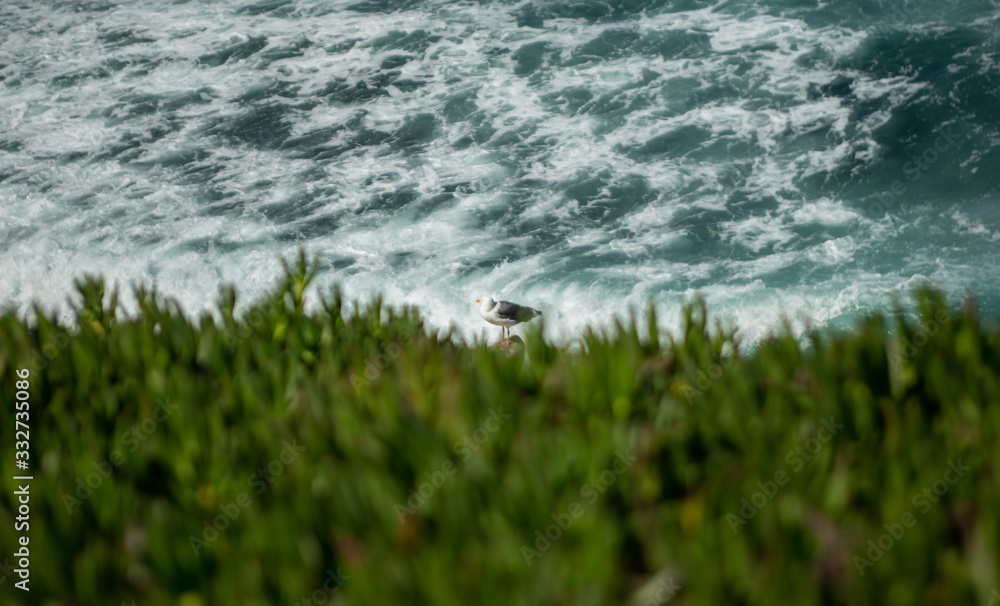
pixel 207 194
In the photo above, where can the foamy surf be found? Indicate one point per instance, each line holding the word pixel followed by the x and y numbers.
pixel 576 160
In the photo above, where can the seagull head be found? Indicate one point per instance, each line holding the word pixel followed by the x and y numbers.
pixel 487 302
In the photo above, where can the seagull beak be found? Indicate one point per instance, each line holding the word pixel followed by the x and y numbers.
pixel 478 300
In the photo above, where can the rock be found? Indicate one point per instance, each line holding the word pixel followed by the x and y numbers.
pixel 512 347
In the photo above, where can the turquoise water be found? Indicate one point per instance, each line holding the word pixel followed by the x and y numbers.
pixel 782 158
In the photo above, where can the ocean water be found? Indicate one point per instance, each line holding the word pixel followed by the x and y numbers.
pixel 783 158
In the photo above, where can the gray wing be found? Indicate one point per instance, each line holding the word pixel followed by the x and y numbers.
pixel 512 311
pixel 507 310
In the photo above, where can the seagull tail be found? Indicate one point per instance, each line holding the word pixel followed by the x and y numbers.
pixel 526 313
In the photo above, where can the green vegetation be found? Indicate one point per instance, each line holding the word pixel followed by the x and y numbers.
pixel 428 472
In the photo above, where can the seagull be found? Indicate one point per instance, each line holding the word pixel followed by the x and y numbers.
pixel 505 314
